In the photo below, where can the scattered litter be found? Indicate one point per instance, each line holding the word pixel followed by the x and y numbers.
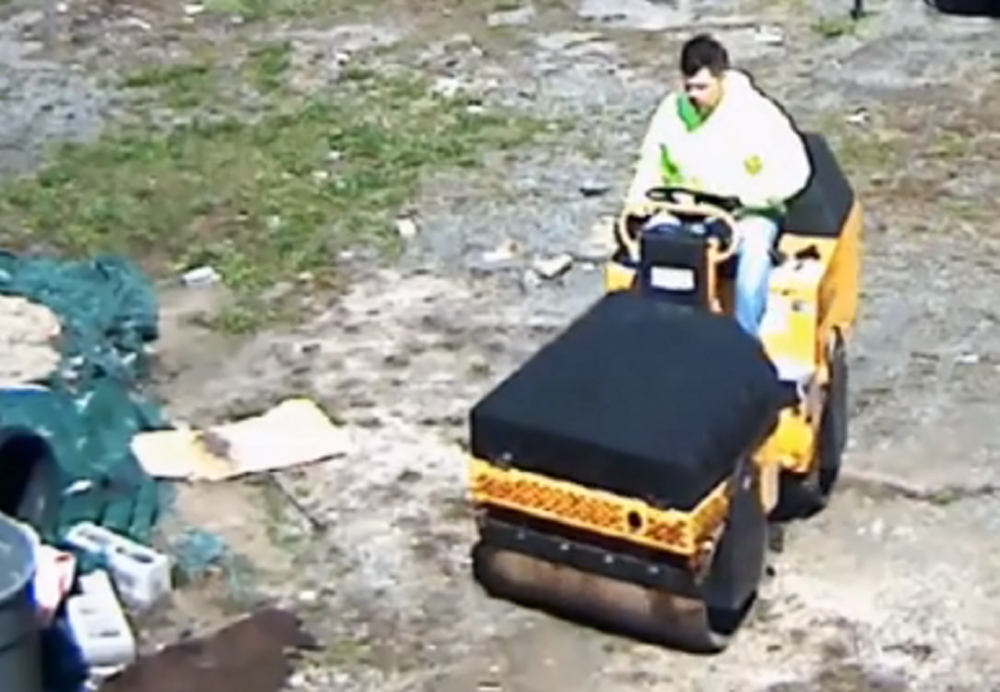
pixel 448 87
pixel 135 22
pixel 78 487
pixel 141 574
pixel 316 523
pixel 506 251
pixel 769 35
pixel 515 17
pixel 860 116
pixel 968 359
pixel 593 188
pixel 99 624
pixel 553 267
pixel 563 40
pixel 406 228
pixel 251 655
pixel 293 433
pixel 193 9
pixel 600 243
pixel 201 276
pixel 55 571
pixel 530 281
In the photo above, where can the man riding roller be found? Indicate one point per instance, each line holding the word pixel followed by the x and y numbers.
pixel 723 136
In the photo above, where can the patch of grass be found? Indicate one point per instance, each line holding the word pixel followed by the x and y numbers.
pixel 176 86
pixel 835 27
pixel 267 66
pixel 431 11
pixel 861 149
pixel 260 10
pixel 948 145
pixel 264 10
pixel 248 315
pixel 261 200
pixel 507 5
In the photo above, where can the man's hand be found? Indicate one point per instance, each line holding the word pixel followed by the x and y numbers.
pixel 641 208
pixel 748 203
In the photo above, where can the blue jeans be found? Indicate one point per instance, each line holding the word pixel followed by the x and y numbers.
pixel 753 268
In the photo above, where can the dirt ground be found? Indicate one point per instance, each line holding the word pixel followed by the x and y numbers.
pixel 892 589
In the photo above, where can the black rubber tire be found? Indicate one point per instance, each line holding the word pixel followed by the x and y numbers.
pixel 804 497
pixel 744 550
pixel 836 414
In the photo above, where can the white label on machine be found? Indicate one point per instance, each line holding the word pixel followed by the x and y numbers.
pixel 672 278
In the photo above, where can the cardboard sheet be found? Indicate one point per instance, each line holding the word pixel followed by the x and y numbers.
pixel 293 433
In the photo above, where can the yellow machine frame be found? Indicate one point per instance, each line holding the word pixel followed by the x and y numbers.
pixel 598 511
pixel 807 306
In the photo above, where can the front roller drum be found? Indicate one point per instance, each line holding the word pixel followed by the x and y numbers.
pixel 612 605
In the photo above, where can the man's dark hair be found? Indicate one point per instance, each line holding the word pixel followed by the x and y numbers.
pixel 703 51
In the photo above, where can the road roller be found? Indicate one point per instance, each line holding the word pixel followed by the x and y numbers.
pixel 633 473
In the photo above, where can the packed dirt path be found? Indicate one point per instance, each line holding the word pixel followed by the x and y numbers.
pixel 893 588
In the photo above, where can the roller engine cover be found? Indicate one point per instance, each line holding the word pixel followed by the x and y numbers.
pixel 639 397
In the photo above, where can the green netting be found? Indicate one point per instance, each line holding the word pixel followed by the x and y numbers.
pixel 89 410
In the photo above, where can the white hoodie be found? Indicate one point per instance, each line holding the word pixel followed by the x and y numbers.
pixel 747 148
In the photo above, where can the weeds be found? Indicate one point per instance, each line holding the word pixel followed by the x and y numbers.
pixel 262 199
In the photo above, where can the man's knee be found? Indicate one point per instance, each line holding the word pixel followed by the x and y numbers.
pixel 757 238
pixel 661 221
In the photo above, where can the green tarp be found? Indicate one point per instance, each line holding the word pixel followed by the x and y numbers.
pixel 88 411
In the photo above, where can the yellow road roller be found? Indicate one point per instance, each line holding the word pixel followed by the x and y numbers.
pixel 632 473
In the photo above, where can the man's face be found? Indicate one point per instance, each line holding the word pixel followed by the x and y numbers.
pixel 704 89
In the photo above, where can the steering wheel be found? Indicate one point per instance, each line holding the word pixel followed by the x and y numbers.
pixel 675 194
pixel 698 205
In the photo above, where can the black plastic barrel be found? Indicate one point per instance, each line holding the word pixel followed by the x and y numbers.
pixel 20 645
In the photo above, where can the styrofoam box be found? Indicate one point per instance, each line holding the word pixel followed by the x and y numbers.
pixel 99 623
pixel 141 574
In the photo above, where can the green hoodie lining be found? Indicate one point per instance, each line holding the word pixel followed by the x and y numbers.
pixel 688 114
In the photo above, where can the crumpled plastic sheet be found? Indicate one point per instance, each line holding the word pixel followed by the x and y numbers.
pixel 88 411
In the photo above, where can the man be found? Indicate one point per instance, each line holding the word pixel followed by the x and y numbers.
pixel 723 136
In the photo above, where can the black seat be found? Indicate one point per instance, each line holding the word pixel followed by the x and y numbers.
pixel 822 208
